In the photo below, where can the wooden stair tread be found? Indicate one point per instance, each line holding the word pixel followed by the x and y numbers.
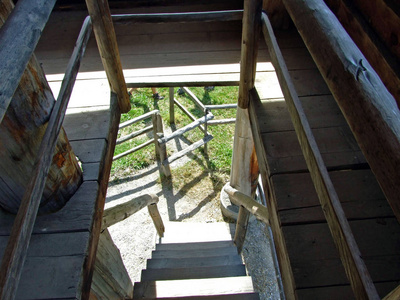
pixel 178 232
pixel 243 296
pixel 190 246
pixel 193 272
pixel 222 260
pixel 193 287
pixel 194 253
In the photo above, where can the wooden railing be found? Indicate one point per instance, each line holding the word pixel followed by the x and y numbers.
pixel 349 252
pixel 123 211
pixel 17 247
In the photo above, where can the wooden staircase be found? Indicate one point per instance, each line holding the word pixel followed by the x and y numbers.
pixel 195 261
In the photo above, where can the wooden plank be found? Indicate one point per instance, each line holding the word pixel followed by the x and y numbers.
pixel 194 98
pixel 187 150
pixel 89 151
pixel 124 210
pixel 107 43
pixel 110 267
pixel 171 106
pixel 321 111
pixel 97 218
pixel 187 246
pixel 221 122
pixel 241 228
pixel 72 217
pixel 193 287
pixel 194 253
pixel 377 127
pixel 365 37
pixel 339 292
pixel 193 273
pixel 19 47
pixel 279 241
pixel 340 230
pixel 87 125
pixel 220 261
pixel 209 16
pixel 358 191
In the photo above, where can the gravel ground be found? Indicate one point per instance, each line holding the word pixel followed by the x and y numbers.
pixel 135 236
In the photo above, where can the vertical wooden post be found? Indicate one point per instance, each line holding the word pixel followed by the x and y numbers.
pixel 241 228
pixel 161 149
pixel 244 161
pixel 171 106
pixel 103 28
pixel 156 217
pixel 205 133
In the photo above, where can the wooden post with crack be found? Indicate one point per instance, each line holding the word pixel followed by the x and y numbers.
pixel 244 170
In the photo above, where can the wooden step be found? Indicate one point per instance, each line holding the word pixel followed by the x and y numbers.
pixel 194 253
pixel 187 232
pixel 192 287
pixel 193 272
pixel 192 246
pixel 223 260
pixel 244 296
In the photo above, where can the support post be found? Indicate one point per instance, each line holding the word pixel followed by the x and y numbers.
pixel 244 161
pixel 103 28
pixel 161 149
pixel 171 106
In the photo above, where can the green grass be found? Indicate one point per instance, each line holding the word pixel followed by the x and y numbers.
pixel 219 149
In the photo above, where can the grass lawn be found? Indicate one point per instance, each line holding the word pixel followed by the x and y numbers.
pixel 219 149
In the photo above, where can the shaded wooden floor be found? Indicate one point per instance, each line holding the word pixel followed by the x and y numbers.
pixel 315 264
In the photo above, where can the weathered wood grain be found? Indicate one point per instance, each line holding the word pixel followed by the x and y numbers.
pixel 340 230
pixel 209 16
pixel 103 28
pixel 18 39
pixel 387 67
pixel 248 61
pixel 110 267
pixel 373 115
pixel 157 220
pixel 123 211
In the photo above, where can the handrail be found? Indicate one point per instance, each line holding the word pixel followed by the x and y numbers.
pixel 350 255
pixel 17 45
pixel 186 128
pixel 209 16
pixel 17 247
pixel 252 206
pixel 138 119
pixel 123 211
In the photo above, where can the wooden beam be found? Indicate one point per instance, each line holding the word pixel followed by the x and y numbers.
pixel 338 224
pixel 251 205
pixel 384 20
pixel 277 13
pixel 156 217
pixel 384 63
pixel 161 148
pixel 123 211
pixel 248 62
pixel 18 39
pixel 372 113
pixel 103 28
pixel 138 119
pixel 209 16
